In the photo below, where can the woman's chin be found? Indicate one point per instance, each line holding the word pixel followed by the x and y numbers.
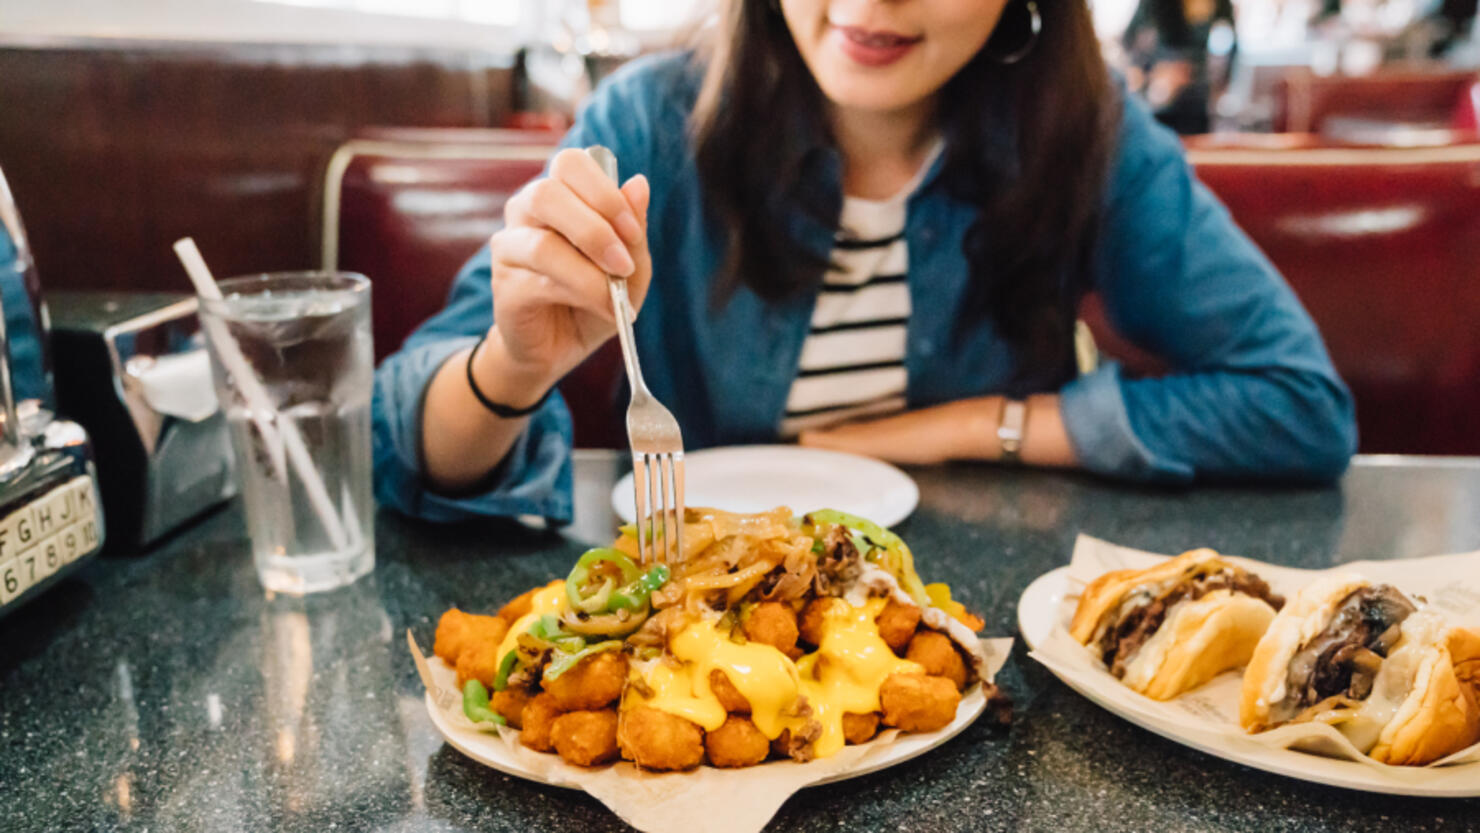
pixel 872 91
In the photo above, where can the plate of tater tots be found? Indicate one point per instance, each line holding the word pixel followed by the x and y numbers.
pixel 772 639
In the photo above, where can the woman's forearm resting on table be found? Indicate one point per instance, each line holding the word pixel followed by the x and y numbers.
pixel 1276 424
pixel 962 430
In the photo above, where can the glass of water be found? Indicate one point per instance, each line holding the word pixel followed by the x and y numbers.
pixel 300 421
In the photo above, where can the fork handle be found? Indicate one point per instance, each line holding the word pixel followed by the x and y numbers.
pixel 622 307
pixel 621 301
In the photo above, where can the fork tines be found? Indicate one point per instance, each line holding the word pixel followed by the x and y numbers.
pixel 658 487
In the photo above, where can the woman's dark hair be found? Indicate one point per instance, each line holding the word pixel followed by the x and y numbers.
pixel 1027 249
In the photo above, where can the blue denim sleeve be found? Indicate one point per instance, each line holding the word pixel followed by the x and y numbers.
pixel 1251 392
pixel 535 477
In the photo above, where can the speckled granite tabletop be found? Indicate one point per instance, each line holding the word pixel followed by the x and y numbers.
pixel 165 692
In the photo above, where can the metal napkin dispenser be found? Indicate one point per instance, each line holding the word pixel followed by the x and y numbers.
pixel 50 517
pixel 132 368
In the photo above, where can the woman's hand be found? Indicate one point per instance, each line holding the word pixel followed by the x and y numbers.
pixel 551 309
pixel 564 233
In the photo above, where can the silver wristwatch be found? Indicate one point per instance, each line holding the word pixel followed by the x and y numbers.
pixel 1010 429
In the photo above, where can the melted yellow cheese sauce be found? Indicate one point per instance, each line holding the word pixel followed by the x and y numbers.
pixel 764 675
pixel 548 600
pixel 847 669
pixel 843 675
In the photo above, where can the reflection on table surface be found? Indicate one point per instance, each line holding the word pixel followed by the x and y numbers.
pixel 168 692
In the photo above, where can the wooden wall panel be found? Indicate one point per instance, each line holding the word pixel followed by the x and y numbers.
pixel 116 150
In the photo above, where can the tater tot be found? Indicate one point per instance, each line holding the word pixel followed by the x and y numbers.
pixel 479 661
pixel 860 728
pixel 452 630
pixel 728 696
pixel 538 719
pixel 918 702
pixel 658 740
pixel 586 738
pixel 897 624
pixel 774 624
pixel 458 631
pixel 594 682
pixel 511 702
pixel 937 653
pixel 813 616
pixel 736 743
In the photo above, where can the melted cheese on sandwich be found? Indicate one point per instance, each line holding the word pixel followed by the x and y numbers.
pixel 1147 660
pixel 1393 687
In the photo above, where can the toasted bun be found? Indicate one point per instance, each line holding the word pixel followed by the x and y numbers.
pixel 1441 715
pixel 1301 619
pixel 1105 593
pixel 1199 641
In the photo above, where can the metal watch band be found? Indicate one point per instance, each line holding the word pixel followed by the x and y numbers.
pixel 1010 429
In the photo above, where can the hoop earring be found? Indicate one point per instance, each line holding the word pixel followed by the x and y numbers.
pixel 1035 27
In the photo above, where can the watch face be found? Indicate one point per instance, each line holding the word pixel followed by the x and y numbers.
pixel 1010 431
pixel 1012 418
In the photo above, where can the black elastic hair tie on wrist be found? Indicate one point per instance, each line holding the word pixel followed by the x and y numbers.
pixel 504 411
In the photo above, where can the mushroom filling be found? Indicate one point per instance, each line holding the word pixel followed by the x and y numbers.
pixel 1344 658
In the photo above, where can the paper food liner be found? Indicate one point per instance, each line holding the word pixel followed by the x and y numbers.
pixel 706 799
pixel 1450 584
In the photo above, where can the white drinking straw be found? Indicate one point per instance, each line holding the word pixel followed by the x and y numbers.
pixel 259 405
pixel 264 414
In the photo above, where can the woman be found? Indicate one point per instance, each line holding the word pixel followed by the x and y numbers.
pixel 869 224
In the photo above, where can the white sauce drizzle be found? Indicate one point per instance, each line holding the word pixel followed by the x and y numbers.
pixel 874 580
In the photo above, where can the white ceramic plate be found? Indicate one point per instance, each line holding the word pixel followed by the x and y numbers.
pixel 1043 601
pixel 490 750
pixel 755 478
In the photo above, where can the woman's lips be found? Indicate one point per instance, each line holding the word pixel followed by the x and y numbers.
pixel 874 49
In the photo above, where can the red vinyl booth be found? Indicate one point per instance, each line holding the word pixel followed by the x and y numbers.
pixel 1383 247
pixel 1305 102
pixel 1381 244
pixel 409 206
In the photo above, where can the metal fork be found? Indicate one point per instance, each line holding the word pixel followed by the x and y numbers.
pixel 657 443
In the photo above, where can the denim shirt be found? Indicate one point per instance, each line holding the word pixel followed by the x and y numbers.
pixel 1251 392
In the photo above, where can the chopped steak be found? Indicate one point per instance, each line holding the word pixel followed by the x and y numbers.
pixel 838 564
pixel 1122 640
pixel 999 705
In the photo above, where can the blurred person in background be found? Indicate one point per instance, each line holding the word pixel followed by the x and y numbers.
pixel 868 226
pixel 1179 55
pixel 1449 25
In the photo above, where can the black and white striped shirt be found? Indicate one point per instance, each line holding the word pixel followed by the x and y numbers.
pixel 852 362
